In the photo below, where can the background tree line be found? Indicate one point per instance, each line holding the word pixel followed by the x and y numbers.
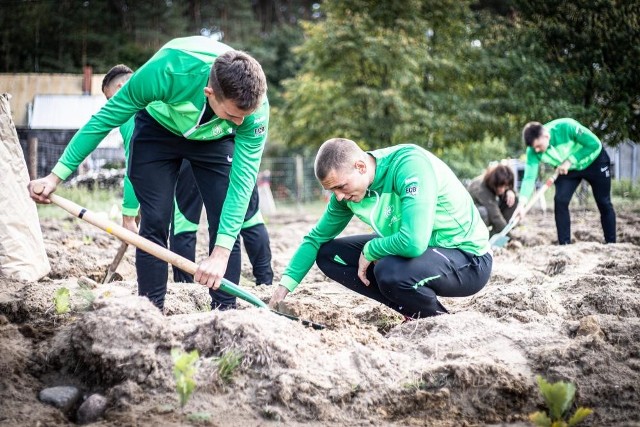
pixel 460 77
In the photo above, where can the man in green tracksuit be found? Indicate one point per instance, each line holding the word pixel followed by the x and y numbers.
pixel 429 238
pixel 577 154
pixel 199 100
pixel 188 204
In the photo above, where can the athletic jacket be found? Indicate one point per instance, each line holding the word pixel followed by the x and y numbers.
pixel 415 201
pixel 569 140
pixel 170 86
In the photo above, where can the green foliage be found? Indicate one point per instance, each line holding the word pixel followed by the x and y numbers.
pixel 470 160
pixel 87 295
pixel 97 200
pixel 228 362
pixel 558 398
pixel 184 370
pixel 626 188
pixel 61 299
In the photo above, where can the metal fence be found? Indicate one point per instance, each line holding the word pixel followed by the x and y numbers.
pixel 292 179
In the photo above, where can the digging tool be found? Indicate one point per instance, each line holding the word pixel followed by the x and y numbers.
pixel 160 252
pixel 111 274
pixel 500 240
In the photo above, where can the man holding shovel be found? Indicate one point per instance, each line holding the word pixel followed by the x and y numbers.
pixel 188 204
pixel 577 154
pixel 429 237
pixel 199 100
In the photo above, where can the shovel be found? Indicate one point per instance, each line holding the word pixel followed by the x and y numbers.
pixel 500 240
pixel 158 251
pixel 111 275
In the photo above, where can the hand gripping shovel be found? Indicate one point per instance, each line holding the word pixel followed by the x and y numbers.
pixel 161 253
pixel 500 240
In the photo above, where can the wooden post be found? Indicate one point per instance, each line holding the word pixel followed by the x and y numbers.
pixel 32 155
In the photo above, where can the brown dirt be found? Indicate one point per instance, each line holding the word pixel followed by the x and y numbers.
pixel 568 313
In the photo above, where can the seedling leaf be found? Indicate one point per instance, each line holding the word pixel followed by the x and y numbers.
pixel 61 301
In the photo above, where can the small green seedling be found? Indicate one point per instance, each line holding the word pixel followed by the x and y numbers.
pixel 61 301
pixel 184 369
pixel 558 397
pixel 227 364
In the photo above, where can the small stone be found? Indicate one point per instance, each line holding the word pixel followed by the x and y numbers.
pixel 62 397
pixel 92 409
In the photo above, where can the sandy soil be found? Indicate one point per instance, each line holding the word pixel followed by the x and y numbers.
pixel 567 313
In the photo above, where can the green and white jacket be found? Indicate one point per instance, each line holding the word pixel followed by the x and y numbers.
pixel 415 201
pixel 569 140
pixel 170 86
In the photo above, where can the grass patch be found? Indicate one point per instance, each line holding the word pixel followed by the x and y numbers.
pixel 98 200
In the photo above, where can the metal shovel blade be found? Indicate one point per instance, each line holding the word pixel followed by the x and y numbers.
pixel 499 241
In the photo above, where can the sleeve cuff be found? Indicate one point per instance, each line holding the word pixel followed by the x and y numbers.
pixel 130 211
pixel 367 254
pixel 225 241
pixel 61 171
pixel 288 283
pixel 572 159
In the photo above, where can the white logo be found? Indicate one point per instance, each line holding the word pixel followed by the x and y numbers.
pixel 604 168
pixel 388 211
pixel 216 131
pixel 229 158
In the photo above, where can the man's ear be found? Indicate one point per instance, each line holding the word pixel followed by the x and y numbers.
pixel 208 91
pixel 361 166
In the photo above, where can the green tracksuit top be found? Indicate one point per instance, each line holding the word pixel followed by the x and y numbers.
pixel 415 201
pixel 131 206
pixel 170 86
pixel 569 140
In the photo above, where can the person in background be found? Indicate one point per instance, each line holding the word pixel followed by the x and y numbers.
pixel 577 154
pixel 494 195
pixel 429 238
pixel 188 205
pixel 195 99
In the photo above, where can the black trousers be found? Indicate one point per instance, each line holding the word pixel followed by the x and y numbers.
pixel 598 175
pixel 255 238
pixel 408 285
pixel 155 159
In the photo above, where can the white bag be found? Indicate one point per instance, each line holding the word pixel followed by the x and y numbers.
pixel 22 252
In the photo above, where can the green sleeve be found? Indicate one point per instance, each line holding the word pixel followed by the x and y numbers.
pixel 335 218
pixel 416 183
pixel 249 144
pixel 180 222
pixel 530 174
pixel 147 84
pixel 130 205
pixel 586 144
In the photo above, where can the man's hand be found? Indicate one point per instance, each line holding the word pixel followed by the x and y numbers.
pixel 211 271
pixel 509 198
pixel 129 222
pixel 363 264
pixel 564 167
pixel 278 295
pixel 40 189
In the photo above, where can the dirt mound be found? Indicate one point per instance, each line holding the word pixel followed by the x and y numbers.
pixel 567 313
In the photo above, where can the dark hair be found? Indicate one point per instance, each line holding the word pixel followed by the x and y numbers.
pixel 497 176
pixel 334 154
pixel 236 76
pixel 115 72
pixel 531 132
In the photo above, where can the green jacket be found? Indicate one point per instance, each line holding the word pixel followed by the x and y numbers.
pixel 414 202
pixel 569 140
pixel 170 86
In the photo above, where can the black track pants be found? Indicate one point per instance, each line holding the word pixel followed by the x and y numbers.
pixel 155 159
pixel 255 238
pixel 407 285
pixel 598 176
